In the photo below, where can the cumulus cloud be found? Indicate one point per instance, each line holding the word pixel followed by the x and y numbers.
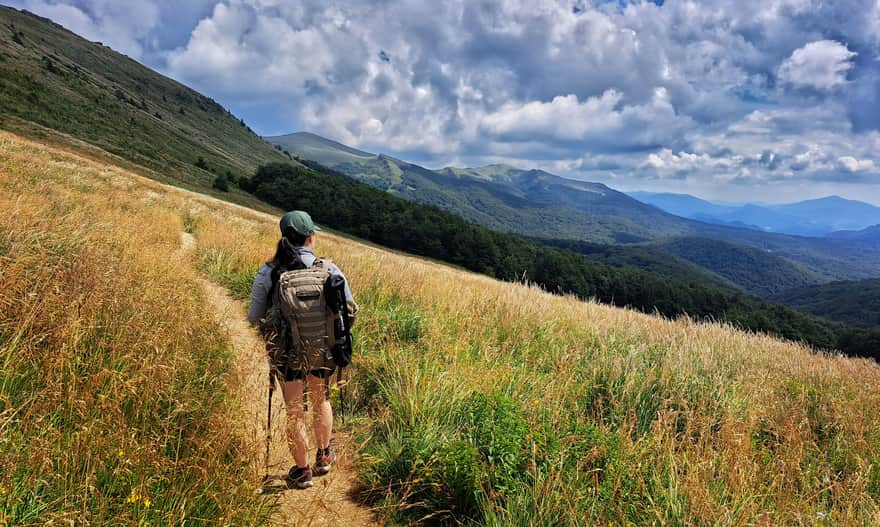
pixel 851 164
pixel 121 25
pixel 565 117
pixel 718 91
pixel 822 65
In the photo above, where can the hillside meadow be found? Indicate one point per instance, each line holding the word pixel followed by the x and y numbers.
pixel 474 401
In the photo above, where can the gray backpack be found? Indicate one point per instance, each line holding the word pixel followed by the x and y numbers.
pixel 302 321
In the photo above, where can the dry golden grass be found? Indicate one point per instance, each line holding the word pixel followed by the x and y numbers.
pixel 772 432
pixel 112 396
pixel 600 415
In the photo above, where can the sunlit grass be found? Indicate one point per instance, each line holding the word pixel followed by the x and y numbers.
pixel 482 402
pixel 629 418
pixel 113 403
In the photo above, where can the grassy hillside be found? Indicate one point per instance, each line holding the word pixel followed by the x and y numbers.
pixel 52 78
pixel 498 197
pixel 476 400
pixel 541 205
pixel 114 408
pixel 856 303
pixel 760 272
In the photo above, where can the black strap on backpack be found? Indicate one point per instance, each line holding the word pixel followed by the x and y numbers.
pixel 334 292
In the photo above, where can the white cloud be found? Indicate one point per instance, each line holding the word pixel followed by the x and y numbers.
pixel 242 49
pixel 666 160
pixel 565 117
pixel 120 25
pixel 603 119
pixel 852 164
pixel 822 65
pixel 717 90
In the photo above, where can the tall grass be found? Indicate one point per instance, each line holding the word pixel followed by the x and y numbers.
pixel 489 403
pixel 499 404
pixel 113 403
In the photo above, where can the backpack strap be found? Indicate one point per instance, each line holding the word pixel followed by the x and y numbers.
pixel 323 263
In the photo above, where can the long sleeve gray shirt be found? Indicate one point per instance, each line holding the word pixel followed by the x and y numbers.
pixel 263 286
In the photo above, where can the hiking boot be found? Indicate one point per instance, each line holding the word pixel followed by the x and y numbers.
pixel 324 459
pixel 300 478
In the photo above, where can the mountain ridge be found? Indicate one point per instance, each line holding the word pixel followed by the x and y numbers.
pixel 52 77
pixel 539 204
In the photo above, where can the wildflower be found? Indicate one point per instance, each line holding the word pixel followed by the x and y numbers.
pixel 138 498
pixel 820 515
pixel 121 453
pixel 3 490
pixel 134 497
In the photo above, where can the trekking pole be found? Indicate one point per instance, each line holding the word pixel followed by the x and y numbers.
pixel 341 386
pixel 269 421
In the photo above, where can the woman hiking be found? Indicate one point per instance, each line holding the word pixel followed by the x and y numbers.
pixel 304 352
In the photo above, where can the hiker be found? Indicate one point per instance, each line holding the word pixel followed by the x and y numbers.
pixel 303 354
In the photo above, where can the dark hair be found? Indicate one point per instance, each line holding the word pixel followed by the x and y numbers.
pixel 286 256
pixel 297 239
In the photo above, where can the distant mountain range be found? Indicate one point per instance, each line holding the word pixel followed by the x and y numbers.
pixel 815 217
pixel 530 202
pixel 542 205
pixel 869 234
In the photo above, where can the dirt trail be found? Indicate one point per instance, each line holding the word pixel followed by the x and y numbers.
pixel 329 502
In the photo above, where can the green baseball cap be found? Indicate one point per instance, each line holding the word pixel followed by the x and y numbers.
pixel 300 221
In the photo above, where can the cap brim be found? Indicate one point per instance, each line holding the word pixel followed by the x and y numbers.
pixel 316 227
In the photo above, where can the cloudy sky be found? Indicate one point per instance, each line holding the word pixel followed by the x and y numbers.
pixel 763 100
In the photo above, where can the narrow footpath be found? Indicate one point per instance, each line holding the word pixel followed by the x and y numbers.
pixel 329 502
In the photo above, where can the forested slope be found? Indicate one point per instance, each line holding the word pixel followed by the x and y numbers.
pixel 344 204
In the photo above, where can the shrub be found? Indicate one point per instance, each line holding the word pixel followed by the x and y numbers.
pixel 498 430
pixel 221 183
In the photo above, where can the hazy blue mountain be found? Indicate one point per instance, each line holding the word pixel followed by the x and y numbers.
pixel 815 217
pixel 834 211
pixel 683 205
pixel 869 234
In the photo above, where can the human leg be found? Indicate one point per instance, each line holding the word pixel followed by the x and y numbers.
pixel 297 440
pixel 322 417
